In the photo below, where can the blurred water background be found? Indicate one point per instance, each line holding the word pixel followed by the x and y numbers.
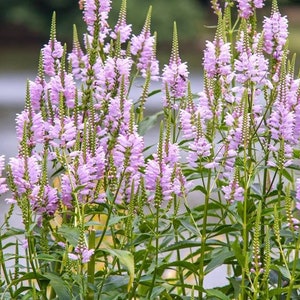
pixel 24 28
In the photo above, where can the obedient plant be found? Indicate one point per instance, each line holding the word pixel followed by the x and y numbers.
pixel 104 216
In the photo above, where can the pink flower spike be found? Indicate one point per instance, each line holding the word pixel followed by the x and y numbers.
pixel 275 31
pixel 52 53
pixel 247 7
pixel 3 186
pixel 86 255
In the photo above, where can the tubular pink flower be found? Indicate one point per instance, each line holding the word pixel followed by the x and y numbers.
pixel 143 47
pixel 217 58
pixel 298 193
pixel 281 123
pixel 22 120
pixel 210 59
pixel 36 89
pixel 159 174
pixel 233 192
pixel 253 67
pixel 86 255
pixel 52 53
pixel 171 154
pixel 45 202
pixel 38 129
pixel 79 62
pixel 67 184
pixel 62 134
pixel 123 29
pixel 3 186
pixel 204 106
pixel 297 123
pixel 67 88
pixel 97 10
pixel 275 31
pixel 165 174
pixel 34 134
pixel 128 153
pixel 110 75
pixel 26 172
pixel 197 149
pixel 128 159
pixel 247 7
pixel 85 170
pixel 118 116
pixel 175 76
pixel 186 121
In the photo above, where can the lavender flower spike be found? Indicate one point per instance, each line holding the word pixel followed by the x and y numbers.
pixel 175 74
pixel 3 186
pixel 275 34
pixel 143 46
pixel 52 52
pixel 122 28
pixel 298 194
pixel 97 10
pixel 247 7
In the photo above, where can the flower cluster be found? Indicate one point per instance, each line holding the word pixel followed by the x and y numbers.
pixel 91 191
pixel 3 186
pixel 247 7
pixel 275 34
pixel 79 118
pixel 163 175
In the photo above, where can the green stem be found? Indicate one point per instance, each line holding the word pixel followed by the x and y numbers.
pixel 294 270
pixel 139 274
pixel 245 246
pixel 178 255
pixel 204 235
pixel 91 265
pixel 156 252
pixel 4 268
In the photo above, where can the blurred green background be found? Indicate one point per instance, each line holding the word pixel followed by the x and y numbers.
pixel 24 26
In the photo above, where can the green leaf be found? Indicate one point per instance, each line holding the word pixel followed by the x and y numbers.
pixel 154 92
pixel 115 220
pixel 59 286
pixel 149 122
pixel 238 253
pixel 222 229
pixel 71 234
pixel 28 276
pixel 47 257
pixel 188 225
pixel 200 188
pixel 79 188
pixel 22 289
pixel 277 291
pixel 283 271
pixel 294 167
pixel 157 291
pixel 296 153
pixel 287 175
pixel 181 263
pixel 216 293
pixel 93 223
pixel 181 245
pixel 114 282
pixel 11 232
pixel 126 258
pixel 218 259
pixel 58 171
